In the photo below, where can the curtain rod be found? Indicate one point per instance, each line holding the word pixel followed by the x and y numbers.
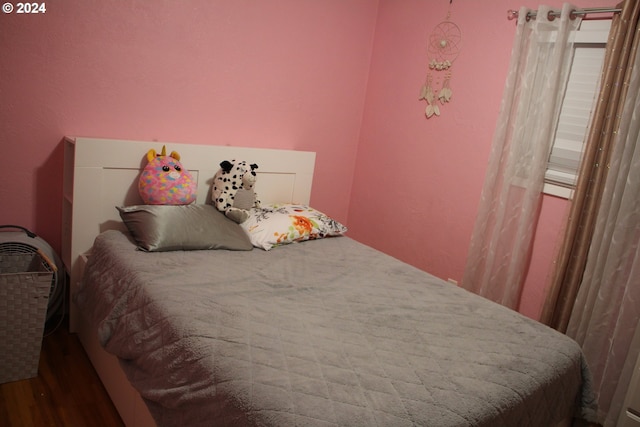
pixel 513 14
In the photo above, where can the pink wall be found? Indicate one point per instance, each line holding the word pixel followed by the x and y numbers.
pixel 277 73
pixel 417 181
pixel 339 77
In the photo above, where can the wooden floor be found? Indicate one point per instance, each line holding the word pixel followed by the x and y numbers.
pixel 66 393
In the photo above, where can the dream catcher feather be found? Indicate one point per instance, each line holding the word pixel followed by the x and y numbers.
pixel 443 48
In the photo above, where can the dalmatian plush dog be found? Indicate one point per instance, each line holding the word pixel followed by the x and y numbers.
pixel 233 189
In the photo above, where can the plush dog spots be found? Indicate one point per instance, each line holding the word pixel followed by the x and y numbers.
pixel 233 189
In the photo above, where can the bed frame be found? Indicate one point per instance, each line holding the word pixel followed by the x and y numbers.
pixel 100 174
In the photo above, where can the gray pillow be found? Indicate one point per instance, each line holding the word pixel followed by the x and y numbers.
pixel 184 227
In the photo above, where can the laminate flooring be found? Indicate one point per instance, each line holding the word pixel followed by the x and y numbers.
pixel 66 393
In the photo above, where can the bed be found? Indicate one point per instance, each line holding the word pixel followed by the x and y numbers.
pixel 323 332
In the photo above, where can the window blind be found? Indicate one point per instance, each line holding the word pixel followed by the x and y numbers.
pixel 577 106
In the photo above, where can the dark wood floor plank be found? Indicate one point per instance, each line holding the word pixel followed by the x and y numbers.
pixel 66 393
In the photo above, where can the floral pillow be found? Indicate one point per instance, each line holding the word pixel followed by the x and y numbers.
pixel 280 224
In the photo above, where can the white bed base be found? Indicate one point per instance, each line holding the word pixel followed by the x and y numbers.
pixel 100 174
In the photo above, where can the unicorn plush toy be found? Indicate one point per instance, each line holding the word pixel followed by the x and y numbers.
pixel 165 182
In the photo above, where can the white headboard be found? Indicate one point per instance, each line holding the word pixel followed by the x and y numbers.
pixel 100 174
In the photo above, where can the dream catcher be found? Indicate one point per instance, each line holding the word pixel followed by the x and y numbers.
pixel 443 48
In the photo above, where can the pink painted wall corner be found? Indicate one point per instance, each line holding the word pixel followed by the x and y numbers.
pixel 337 77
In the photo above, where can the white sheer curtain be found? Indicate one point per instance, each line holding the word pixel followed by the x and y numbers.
pixel 500 246
pixel 607 306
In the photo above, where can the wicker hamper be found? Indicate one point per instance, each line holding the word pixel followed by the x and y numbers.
pixel 24 292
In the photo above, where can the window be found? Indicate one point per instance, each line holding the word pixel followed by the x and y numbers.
pixel 578 103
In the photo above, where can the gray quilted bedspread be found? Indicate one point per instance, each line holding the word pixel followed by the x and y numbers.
pixel 323 333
